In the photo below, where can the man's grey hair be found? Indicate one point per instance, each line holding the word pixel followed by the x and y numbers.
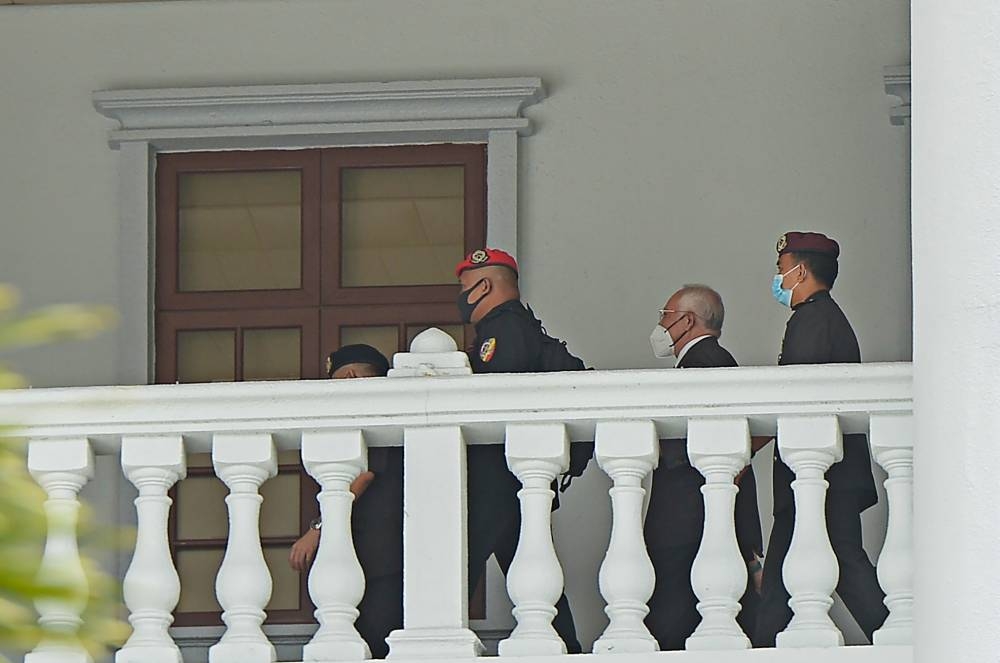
pixel 704 302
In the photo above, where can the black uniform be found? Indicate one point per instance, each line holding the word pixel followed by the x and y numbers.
pixel 675 521
pixel 377 526
pixel 508 340
pixel 819 333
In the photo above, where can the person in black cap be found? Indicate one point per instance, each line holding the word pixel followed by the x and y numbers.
pixel 376 517
pixel 509 339
pixel 819 333
pixel 689 328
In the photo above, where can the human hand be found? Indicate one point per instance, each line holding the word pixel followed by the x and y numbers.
pixel 304 550
pixel 755 568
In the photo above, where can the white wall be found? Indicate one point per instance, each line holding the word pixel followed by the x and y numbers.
pixel 678 141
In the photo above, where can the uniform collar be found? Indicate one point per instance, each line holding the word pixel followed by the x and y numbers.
pixel 508 305
pixel 690 344
pixel 816 296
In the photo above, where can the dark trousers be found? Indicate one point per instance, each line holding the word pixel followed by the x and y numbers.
pixel 673 614
pixel 381 611
pixel 858 586
pixel 503 544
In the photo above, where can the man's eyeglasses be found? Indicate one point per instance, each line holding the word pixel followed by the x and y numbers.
pixel 664 311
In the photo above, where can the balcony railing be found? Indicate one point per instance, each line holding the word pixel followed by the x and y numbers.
pixel 434 409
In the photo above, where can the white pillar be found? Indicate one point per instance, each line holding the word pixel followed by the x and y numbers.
pixel 435 557
pixel 719 449
pixel 243 461
pixel 891 438
pixel 151 587
pixel 336 581
pixel 61 467
pixel 809 445
pixel 627 451
pixel 537 454
pixel 956 316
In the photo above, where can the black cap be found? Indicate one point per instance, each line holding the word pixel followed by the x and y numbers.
pixel 359 353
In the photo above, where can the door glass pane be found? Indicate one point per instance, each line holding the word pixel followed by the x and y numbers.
pixel 457 332
pixel 286 583
pixel 279 513
pixel 197 570
pixel 272 354
pixel 402 226
pixel 385 339
pixel 206 356
pixel 201 508
pixel 240 231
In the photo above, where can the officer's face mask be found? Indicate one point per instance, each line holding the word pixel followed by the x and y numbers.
pixel 781 294
pixel 465 307
pixel 661 341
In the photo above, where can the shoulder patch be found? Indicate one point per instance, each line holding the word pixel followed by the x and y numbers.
pixel 488 348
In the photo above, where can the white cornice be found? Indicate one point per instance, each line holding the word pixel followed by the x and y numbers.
pixel 481 404
pixel 897 84
pixel 431 110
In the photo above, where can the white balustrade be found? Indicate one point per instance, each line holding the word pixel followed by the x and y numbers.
pixel 153 463
pixel 243 461
pixel 809 445
pixel 627 451
pixel 536 454
pixel 61 467
pixel 435 418
pixel 719 449
pixel 892 443
pixel 336 581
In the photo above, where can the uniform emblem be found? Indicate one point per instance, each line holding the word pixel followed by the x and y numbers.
pixel 478 257
pixel 488 348
pixel 782 243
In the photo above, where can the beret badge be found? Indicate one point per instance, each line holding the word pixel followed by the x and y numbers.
pixel 478 257
pixel 782 243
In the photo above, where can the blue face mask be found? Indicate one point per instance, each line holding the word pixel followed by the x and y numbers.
pixel 783 295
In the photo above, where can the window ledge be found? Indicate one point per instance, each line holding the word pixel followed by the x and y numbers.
pixel 259 115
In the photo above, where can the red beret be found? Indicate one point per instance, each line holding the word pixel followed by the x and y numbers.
pixel 798 242
pixel 486 258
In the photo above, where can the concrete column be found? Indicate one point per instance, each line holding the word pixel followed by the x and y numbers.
pixel 956 328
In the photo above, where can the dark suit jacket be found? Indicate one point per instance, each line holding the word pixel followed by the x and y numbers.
pixel 676 513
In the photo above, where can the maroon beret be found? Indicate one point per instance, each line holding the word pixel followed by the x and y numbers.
pixel 486 258
pixel 799 242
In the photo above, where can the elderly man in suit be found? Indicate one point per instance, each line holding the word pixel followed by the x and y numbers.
pixel 689 328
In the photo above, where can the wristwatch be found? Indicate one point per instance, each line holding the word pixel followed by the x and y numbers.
pixel 316 523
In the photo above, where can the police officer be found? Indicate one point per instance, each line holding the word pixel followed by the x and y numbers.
pixel 509 339
pixel 376 519
pixel 819 333
pixel 689 329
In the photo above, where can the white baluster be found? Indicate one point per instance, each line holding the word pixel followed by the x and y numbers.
pixel 336 581
pixel 719 449
pixel 536 454
pixel 151 587
pixel 61 467
pixel 435 557
pixel 809 445
pixel 627 451
pixel 892 444
pixel 243 586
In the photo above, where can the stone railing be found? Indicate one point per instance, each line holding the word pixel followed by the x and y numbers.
pixel 434 409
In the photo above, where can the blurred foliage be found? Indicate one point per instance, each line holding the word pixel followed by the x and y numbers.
pixel 22 503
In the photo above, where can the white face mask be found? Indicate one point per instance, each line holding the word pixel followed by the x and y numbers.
pixel 663 345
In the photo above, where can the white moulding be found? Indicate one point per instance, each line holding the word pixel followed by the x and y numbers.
pixel 897 84
pixel 322 114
